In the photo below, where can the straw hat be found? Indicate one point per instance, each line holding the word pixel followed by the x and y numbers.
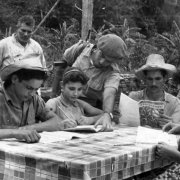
pixel 31 62
pixel 155 62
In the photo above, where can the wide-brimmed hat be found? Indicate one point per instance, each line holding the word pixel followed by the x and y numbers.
pixel 31 62
pixel 112 46
pixel 155 62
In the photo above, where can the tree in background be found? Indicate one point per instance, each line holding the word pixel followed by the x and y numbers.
pixel 146 25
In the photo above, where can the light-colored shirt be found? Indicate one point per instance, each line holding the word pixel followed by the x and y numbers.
pixel 172 103
pixel 64 110
pixel 12 116
pixel 11 50
pixel 99 78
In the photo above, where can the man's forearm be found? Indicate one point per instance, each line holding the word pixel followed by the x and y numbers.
pixel 49 125
pixel 109 100
pixel 6 133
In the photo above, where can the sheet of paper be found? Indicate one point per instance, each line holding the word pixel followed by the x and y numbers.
pixel 129 110
pixel 50 137
pixel 153 136
pixel 85 128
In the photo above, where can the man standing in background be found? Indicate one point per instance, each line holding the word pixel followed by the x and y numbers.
pixel 20 45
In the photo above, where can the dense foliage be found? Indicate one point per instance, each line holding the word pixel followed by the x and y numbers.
pixel 146 26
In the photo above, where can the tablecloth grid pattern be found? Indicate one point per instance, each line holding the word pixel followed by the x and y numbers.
pixel 101 157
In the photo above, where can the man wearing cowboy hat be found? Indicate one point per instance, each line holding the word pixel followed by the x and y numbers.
pixel 21 109
pixel 99 63
pixel 154 73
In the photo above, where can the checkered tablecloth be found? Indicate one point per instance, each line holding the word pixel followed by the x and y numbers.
pixel 109 156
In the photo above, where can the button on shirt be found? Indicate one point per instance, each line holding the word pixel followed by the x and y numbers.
pixel 12 116
pixel 11 50
pixel 172 103
pixel 64 110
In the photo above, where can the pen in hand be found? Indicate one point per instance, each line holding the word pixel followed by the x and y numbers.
pixel 68 116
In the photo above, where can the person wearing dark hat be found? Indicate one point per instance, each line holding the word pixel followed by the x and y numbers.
pixel 21 109
pixel 99 63
pixel 154 73
pixel 20 45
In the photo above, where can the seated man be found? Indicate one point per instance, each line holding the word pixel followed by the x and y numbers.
pixel 154 73
pixel 21 108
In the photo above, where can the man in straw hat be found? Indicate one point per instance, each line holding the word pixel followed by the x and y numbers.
pixel 21 109
pixel 154 73
pixel 99 63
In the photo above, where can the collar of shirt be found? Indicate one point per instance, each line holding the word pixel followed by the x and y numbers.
pixel 9 99
pixel 63 101
pixel 17 42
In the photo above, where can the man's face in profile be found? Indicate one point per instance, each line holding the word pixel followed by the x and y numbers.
pixel 100 60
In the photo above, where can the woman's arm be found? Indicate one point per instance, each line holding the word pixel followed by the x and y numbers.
pixel 90 110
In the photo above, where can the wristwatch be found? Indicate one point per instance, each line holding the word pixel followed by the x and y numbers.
pixel 110 114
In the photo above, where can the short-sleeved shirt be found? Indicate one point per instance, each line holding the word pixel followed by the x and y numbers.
pixel 65 110
pixel 172 103
pixel 12 116
pixel 99 78
pixel 11 50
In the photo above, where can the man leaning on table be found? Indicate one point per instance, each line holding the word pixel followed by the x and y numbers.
pixel 22 112
pixel 100 62
pixel 154 73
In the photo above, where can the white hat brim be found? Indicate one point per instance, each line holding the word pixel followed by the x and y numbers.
pixel 170 69
pixel 32 63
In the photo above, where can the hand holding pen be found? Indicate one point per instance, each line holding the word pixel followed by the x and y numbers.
pixel 69 122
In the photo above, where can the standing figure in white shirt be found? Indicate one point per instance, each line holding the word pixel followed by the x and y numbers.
pixel 20 45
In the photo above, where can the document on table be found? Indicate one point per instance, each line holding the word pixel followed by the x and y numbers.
pixel 56 136
pixel 154 136
pixel 85 128
pixel 129 110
